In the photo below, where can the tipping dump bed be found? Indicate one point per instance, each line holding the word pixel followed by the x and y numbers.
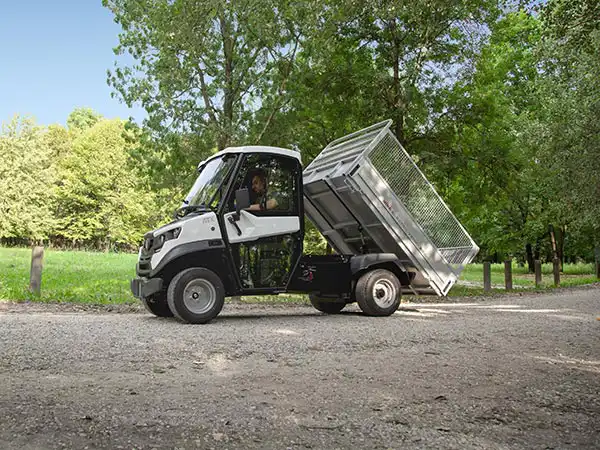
pixel 366 195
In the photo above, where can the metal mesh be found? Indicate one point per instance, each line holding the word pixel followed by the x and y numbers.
pixel 456 256
pixel 420 199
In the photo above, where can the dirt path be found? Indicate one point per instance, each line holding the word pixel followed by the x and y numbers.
pixel 510 373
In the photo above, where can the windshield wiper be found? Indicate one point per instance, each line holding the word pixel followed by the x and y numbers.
pixel 189 209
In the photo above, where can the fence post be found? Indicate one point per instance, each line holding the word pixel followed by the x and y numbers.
pixel 35 275
pixel 487 276
pixel 508 275
pixel 556 267
pixel 598 269
pixel 538 273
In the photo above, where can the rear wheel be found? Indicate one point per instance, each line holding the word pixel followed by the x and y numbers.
pixel 378 293
pixel 196 295
pixel 325 305
pixel 157 304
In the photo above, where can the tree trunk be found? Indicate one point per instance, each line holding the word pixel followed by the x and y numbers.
pixel 228 94
pixel 398 104
pixel 530 259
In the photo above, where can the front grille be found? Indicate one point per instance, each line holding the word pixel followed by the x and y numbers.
pixel 144 264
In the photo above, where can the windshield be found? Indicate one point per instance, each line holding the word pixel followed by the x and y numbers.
pixel 207 190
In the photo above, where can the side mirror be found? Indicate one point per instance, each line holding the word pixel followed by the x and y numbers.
pixel 242 200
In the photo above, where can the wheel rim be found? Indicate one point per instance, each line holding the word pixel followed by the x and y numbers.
pixel 384 293
pixel 199 296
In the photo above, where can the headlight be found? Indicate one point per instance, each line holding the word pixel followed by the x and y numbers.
pixel 155 243
pixel 148 243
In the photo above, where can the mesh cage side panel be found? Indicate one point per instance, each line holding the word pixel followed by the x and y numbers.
pixel 420 199
pixel 456 256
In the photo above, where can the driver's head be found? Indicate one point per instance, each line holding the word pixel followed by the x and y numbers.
pixel 259 181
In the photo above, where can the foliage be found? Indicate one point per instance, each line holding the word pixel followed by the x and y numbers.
pixel 203 68
pixel 569 133
pixel 496 100
pixel 492 165
pixel 81 119
pixel 26 173
pixel 76 187
pixel 99 194
pixel 480 92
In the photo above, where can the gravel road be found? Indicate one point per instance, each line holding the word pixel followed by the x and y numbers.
pixel 512 372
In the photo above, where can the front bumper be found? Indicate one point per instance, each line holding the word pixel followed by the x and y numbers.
pixel 144 287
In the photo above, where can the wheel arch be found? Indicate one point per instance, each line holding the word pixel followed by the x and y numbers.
pixel 212 259
pixel 361 264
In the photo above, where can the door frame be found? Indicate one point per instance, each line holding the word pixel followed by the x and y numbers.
pixel 299 246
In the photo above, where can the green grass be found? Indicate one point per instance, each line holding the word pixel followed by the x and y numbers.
pixel 103 278
pixel 82 277
pixel 572 275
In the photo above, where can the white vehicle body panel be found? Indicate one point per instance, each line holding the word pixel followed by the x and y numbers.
pixel 255 149
pixel 193 229
pixel 254 227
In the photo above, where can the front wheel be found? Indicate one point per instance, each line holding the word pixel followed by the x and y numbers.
pixel 323 305
pixel 196 295
pixel 378 293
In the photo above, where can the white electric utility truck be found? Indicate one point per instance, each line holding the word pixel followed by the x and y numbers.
pixel 240 231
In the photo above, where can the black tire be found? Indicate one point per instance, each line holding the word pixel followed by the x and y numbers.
pixel 157 304
pixel 378 293
pixel 326 306
pixel 196 295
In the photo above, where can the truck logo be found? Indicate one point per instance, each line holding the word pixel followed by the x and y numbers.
pixel 308 274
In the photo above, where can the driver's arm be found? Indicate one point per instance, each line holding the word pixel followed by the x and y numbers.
pixel 271 203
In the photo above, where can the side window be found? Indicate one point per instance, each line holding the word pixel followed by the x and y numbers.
pixel 272 181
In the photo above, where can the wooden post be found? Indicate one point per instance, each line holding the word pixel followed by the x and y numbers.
pixel 508 275
pixel 538 273
pixel 556 266
pixel 487 276
pixel 35 275
pixel 598 269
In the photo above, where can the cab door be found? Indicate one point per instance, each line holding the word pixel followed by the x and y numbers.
pixel 265 241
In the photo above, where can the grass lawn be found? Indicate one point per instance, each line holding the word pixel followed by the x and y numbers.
pixel 82 277
pixel 572 275
pixel 103 278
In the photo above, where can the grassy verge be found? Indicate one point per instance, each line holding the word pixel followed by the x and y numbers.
pixel 103 278
pixel 82 277
pixel 572 275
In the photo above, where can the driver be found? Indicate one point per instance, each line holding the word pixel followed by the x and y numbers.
pixel 259 187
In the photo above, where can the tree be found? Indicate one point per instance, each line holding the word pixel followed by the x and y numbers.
pixel 101 199
pixel 82 118
pixel 26 179
pixel 384 59
pixel 204 67
pixel 569 132
pixel 492 166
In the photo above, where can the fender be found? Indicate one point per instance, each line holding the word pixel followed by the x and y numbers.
pixel 362 263
pixel 186 249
